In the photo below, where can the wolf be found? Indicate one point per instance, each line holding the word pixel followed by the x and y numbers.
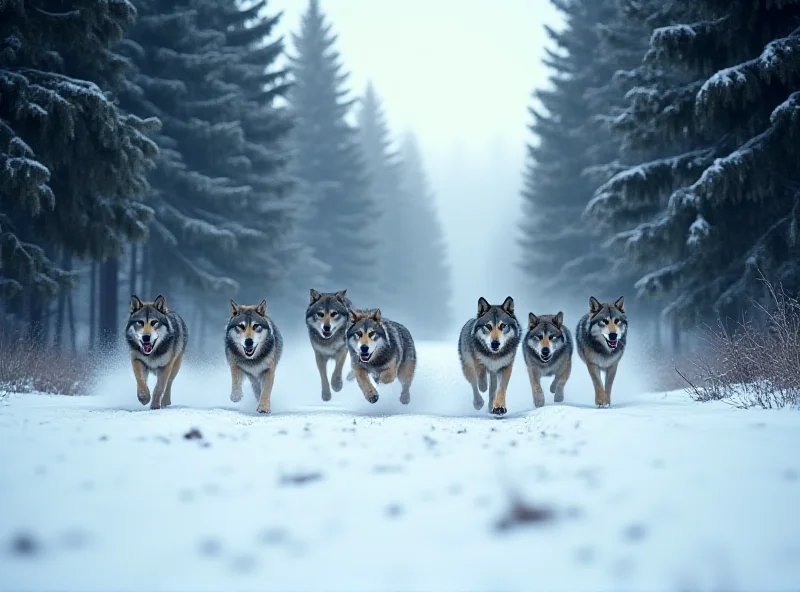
pixel 253 347
pixel 383 349
pixel 601 337
pixel 488 344
pixel 157 339
pixel 327 319
pixel 547 349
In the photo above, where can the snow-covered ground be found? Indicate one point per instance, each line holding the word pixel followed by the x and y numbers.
pixel 656 493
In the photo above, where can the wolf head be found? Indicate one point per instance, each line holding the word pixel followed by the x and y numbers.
pixel 366 333
pixel 546 335
pixel 608 322
pixel 496 325
pixel 248 327
pixel 327 312
pixel 147 325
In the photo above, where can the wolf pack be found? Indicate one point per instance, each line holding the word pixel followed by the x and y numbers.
pixel 383 351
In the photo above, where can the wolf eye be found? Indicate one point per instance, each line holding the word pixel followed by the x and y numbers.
pixel 334 314
pixel 616 321
pixel 553 337
pixel 538 337
pixel 359 334
pixel 602 323
pixel 371 334
pixel 140 323
pixel 501 326
pixel 320 314
pixel 488 326
pixel 154 324
pixel 258 328
pixel 242 326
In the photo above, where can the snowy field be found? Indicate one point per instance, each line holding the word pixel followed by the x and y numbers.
pixel 656 493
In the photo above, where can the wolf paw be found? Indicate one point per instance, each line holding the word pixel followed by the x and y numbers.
pixel 144 397
pixel 603 405
pixel 559 398
pixel 336 383
pixel 477 402
pixel 499 410
pixel 263 411
pixel 155 404
pixel 405 398
pixel 236 396
pixel 326 395
pixel 538 402
pixel 373 398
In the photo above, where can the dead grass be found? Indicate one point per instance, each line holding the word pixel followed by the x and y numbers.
pixel 752 364
pixel 28 366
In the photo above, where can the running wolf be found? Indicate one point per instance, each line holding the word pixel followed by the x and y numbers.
pixel 382 349
pixel 488 344
pixel 547 350
pixel 600 337
pixel 156 338
pixel 326 318
pixel 253 346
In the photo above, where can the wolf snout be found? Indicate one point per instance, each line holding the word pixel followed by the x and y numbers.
pixel 146 338
pixel 546 353
pixel 495 345
pixel 364 349
pixel 612 336
pixel 326 328
pixel 248 343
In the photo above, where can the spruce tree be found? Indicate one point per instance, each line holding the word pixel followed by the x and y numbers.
pixel 427 247
pixel 73 164
pixel 572 141
pixel 341 223
pixel 718 90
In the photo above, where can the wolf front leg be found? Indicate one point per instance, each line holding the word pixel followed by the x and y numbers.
pixel 322 367
pixel 362 378
pixel 481 372
pixel 336 378
pixel 163 375
pixel 557 386
pixel 266 391
pixel 236 382
pixel 140 372
pixel 536 387
pixel 405 374
pixel 600 398
pixel 611 373
pixel 499 403
pixel 470 373
pixel 166 400
pixel 492 389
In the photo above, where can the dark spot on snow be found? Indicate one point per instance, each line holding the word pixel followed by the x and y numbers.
pixel 522 514
pixel 348 429
pixel 394 510
pixel 462 431
pixel 211 488
pixel 482 501
pixel 87 485
pixel 387 469
pixel 193 434
pixel 40 470
pixel 455 489
pixel 210 547
pixel 343 463
pixel 75 539
pixel 512 443
pixel 300 478
pixel 429 441
pixel 205 445
pixel 575 512
pixel 25 544
pixel 493 429
pixel 408 457
pixel 634 533
pixel 162 439
pixel 272 536
pixel 485 445
pixel 577 424
pixel 585 554
pixel 243 563
pixel 186 496
pixel 343 444
pixel 433 428
pixel 282 432
pixel 759 424
pixel 307 427
pixel 790 475
pixel 103 438
pixel 658 463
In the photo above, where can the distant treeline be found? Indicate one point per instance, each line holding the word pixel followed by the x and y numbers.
pixel 160 147
pixel 665 155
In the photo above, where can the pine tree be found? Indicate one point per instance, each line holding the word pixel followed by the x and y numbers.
pixel 427 247
pixel 73 164
pixel 572 141
pixel 718 91
pixel 341 222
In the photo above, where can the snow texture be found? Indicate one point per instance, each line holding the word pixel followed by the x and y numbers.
pixel 656 493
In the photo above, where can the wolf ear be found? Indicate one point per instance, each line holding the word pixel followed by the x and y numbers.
pixel 314 296
pixel 340 295
pixel 483 306
pixel 136 304
pixel 508 305
pixel 234 309
pixel 559 320
pixel 376 315
pixel 354 316
pixel 160 304
pixel 620 304
pixel 533 320
pixel 261 309
pixel 594 305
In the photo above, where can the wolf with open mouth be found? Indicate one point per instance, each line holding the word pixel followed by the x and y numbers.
pixel 156 338
pixel 601 337
pixel 253 347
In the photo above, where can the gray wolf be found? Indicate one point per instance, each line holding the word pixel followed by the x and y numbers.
pixel 253 347
pixel 383 349
pixel 488 344
pixel 600 338
pixel 157 339
pixel 547 349
pixel 327 318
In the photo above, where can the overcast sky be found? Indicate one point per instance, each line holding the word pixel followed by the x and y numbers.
pixel 459 74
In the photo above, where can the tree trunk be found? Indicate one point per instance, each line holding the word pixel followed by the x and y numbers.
pixel 93 307
pixel 133 272
pixel 62 302
pixel 676 337
pixel 71 314
pixel 35 315
pixel 108 305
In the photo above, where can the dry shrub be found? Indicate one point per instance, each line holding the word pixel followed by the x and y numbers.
pixel 27 365
pixel 755 364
